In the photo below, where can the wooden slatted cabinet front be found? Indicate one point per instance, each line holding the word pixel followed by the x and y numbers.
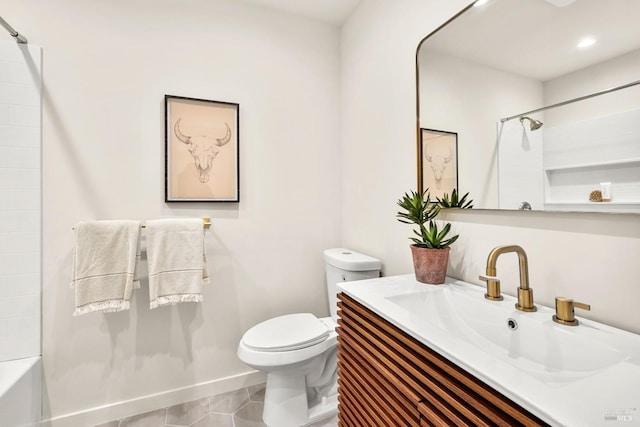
pixel 387 378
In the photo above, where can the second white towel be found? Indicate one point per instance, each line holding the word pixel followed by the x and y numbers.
pixel 177 261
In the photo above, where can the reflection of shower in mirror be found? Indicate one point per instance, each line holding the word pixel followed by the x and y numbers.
pixel 533 123
pixel 19 37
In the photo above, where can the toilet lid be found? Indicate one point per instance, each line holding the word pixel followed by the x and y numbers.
pixel 284 333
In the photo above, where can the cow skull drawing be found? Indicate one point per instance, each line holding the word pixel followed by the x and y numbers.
pixel 438 163
pixel 203 149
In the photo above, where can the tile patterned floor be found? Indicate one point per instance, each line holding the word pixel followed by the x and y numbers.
pixel 240 408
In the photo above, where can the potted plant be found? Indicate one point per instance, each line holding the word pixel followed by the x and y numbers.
pixel 431 246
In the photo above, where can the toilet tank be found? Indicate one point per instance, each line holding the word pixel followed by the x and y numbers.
pixel 345 265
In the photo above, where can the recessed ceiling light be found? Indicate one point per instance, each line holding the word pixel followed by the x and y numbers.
pixel 586 42
pixel 560 3
pixel 479 3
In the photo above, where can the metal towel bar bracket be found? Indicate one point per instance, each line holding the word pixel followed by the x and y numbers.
pixel 206 223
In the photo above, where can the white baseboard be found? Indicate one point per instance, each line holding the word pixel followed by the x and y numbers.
pixel 117 410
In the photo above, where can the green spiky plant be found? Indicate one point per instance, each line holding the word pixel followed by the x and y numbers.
pixel 455 201
pixel 419 210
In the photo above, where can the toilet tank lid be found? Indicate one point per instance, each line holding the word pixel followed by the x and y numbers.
pixel 349 260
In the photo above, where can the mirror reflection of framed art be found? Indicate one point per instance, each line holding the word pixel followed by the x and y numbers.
pixel 438 162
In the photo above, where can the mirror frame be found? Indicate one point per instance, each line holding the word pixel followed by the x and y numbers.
pixel 419 152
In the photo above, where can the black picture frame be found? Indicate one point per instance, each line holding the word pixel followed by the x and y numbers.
pixel 202 150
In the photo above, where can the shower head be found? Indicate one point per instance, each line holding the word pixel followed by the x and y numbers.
pixel 533 123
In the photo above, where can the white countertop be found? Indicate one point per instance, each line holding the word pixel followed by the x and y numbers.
pixel 589 398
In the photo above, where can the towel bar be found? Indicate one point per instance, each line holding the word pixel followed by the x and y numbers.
pixel 205 220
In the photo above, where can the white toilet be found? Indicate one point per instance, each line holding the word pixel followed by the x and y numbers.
pixel 298 351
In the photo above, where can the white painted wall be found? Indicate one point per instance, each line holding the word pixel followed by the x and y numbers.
pixel 108 66
pixel 589 257
pixel 378 46
pixel 20 201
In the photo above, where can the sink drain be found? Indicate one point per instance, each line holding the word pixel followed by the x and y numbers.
pixel 512 324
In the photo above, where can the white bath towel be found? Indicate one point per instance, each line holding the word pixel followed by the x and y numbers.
pixel 104 265
pixel 177 261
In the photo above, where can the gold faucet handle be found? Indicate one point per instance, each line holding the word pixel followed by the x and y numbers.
pixel 493 288
pixel 565 311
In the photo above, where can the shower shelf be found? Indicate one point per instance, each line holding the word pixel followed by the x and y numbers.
pixel 611 207
pixel 568 187
pixel 595 165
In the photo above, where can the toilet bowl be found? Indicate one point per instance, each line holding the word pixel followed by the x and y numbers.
pixel 299 351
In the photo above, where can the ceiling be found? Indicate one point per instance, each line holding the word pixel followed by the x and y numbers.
pixel 333 12
pixel 533 38
pixel 536 39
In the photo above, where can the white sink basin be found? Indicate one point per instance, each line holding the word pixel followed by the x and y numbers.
pixel 566 375
pixel 528 341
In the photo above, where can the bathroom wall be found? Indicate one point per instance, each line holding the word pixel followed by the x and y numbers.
pixel 589 257
pixel 20 199
pixel 108 67
pixel 378 47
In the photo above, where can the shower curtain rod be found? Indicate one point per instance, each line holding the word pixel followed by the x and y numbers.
pixel 19 37
pixel 580 98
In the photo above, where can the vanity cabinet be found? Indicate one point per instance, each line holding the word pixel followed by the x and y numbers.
pixel 388 378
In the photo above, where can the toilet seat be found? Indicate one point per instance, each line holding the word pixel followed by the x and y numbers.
pixel 286 333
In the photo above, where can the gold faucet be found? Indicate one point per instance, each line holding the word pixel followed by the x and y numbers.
pixel 525 294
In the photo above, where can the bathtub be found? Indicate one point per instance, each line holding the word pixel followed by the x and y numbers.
pixel 20 386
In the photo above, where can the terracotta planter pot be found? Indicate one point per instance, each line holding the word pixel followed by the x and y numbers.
pixel 430 265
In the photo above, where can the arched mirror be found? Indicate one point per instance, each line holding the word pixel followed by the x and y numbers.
pixel 543 97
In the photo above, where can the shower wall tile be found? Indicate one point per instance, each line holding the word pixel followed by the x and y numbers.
pixel 20 200
pixel 14 136
pixel 17 264
pixel 19 242
pixel 19 157
pixel 19 94
pixel 16 72
pixel 4 114
pixel 26 306
pixel 13 349
pixel 19 179
pixel 19 221
pixel 24 115
pixel 19 285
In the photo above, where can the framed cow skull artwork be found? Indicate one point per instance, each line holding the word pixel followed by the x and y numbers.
pixel 201 150
pixel 438 162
